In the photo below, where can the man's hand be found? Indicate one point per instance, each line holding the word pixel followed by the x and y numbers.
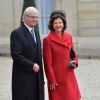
pixel 36 67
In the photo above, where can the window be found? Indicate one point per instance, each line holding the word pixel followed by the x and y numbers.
pixel 45 7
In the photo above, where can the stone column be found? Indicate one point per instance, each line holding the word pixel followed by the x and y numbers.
pixel 10 13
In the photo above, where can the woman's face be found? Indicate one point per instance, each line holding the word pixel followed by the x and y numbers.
pixel 58 25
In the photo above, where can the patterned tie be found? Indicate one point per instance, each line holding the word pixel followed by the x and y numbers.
pixel 33 35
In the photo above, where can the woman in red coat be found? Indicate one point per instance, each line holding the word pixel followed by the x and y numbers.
pixel 60 61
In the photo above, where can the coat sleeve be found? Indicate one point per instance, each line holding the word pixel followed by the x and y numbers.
pixel 17 52
pixel 72 53
pixel 47 57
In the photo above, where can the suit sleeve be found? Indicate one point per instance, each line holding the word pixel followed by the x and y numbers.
pixel 73 54
pixel 17 52
pixel 47 57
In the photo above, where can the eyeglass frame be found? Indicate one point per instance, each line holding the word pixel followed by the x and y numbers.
pixel 33 17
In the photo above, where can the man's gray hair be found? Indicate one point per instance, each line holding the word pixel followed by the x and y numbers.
pixel 30 9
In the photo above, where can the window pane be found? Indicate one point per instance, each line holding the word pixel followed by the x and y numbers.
pixel 45 7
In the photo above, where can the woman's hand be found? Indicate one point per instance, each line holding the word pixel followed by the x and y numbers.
pixel 52 86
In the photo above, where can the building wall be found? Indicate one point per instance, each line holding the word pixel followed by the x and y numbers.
pixel 89 27
pixel 89 17
pixel 70 7
pixel 10 13
pixel 83 17
pixel 83 21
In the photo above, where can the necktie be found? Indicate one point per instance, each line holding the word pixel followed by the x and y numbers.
pixel 33 35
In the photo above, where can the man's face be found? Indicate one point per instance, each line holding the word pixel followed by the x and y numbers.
pixel 31 19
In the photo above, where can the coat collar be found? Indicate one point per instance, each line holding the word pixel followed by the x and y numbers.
pixel 55 38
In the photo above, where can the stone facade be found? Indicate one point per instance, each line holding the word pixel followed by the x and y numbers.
pixel 83 19
pixel 10 12
pixel 89 27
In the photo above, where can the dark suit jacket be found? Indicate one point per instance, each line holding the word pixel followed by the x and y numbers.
pixel 25 52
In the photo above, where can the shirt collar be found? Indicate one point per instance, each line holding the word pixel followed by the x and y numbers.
pixel 29 28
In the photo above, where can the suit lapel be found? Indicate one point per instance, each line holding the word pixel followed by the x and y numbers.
pixel 37 38
pixel 38 46
pixel 28 35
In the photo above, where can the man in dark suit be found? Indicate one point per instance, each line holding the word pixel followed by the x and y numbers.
pixel 27 72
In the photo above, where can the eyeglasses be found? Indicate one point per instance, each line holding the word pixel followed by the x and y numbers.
pixel 33 17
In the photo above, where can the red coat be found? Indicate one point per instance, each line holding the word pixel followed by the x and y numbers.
pixel 56 54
